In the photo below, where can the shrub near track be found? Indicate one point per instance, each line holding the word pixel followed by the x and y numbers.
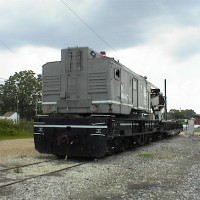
pixel 11 130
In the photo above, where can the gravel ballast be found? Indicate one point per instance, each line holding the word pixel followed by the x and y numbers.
pixel 167 169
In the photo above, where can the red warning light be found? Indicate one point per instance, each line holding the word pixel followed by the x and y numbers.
pixel 103 53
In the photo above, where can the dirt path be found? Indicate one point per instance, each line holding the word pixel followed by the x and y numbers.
pixel 17 147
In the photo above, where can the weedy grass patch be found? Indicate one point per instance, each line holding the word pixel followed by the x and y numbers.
pixel 18 170
pixel 147 155
pixel 156 155
pixel 11 130
pixel 197 130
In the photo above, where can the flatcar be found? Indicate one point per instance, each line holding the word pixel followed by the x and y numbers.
pixel 95 106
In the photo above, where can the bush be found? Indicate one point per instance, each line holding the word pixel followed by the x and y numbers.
pixel 8 129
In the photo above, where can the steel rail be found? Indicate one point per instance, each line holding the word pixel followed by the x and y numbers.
pixel 44 174
pixel 21 166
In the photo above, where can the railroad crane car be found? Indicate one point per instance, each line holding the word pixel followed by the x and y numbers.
pixel 95 106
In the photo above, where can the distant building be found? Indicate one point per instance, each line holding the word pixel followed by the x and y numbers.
pixel 10 115
pixel 197 119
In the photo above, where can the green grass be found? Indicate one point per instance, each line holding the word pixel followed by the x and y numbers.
pixel 158 155
pixel 147 155
pixel 11 130
pixel 18 169
pixel 197 129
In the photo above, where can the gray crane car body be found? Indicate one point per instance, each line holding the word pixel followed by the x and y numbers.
pixel 93 105
pixel 85 82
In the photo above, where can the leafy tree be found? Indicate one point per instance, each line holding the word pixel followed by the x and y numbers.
pixel 21 93
pixel 181 114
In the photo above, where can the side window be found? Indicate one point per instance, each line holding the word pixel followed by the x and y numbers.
pixel 80 60
pixel 117 74
pixel 69 61
pixel 134 84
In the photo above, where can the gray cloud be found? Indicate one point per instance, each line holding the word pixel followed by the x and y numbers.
pixel 120 23
pixel 187 48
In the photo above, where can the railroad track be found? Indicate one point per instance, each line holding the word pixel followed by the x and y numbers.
pixel 15 175
pixel 21 166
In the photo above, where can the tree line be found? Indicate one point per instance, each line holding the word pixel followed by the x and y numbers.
pixel 22 93
pixel 181 114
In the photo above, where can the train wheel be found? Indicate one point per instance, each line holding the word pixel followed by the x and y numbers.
pixel 127 143
pixel 118 145
pixel 141 140
pixel 60 156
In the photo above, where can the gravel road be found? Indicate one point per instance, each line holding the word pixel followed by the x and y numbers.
pixel 16 147
pixel 167 169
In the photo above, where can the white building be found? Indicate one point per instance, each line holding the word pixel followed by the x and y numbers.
pixel 10 115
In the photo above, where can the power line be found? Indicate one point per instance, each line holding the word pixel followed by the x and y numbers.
pixel 7 47
pixel 13 52
pixel 89 27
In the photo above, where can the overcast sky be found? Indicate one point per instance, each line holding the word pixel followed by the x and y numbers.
pixel 159 39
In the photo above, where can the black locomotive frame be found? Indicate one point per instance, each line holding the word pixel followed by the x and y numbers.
pixel 97 136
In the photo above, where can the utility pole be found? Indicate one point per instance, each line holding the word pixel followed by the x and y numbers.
pixel 165 84
pixel 17 95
